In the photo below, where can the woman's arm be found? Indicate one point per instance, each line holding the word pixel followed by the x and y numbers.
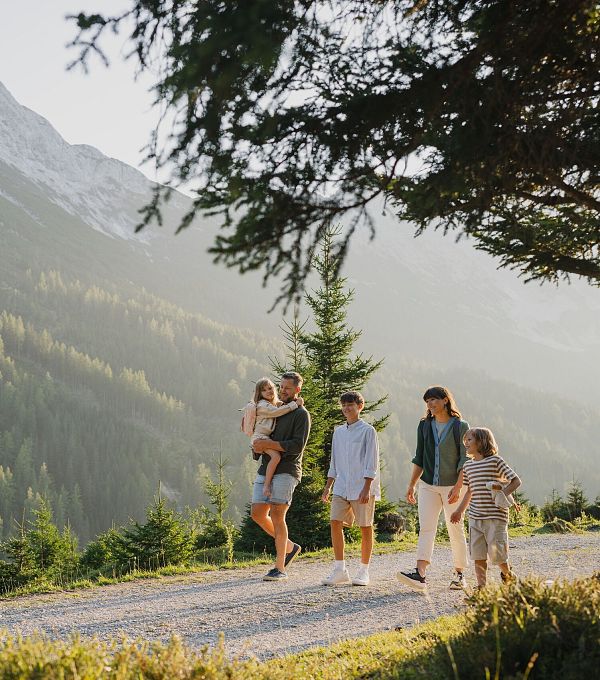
pixel 414 478
pixel 454 492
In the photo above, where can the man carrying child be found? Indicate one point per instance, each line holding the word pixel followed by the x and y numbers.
pixel 354 476
pixel 289 439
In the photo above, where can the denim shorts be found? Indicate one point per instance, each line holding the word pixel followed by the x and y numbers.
pixel 282 489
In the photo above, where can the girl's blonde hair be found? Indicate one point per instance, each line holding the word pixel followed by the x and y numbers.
pixel 484 441
pixel 259 387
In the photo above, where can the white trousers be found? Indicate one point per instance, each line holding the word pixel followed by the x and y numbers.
pixel 431 501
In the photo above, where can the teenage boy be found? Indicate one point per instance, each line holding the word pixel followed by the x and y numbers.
pixel 354 476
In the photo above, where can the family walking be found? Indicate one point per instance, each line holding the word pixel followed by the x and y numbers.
pixel 455 467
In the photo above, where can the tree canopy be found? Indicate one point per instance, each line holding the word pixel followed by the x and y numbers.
pixel 473 116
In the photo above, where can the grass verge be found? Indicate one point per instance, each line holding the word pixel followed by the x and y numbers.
pixel 519 631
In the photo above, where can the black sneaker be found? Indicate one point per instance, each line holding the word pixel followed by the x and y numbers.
pixel 294 552
pixel 413 580
pixel 275 575
pixel 458 582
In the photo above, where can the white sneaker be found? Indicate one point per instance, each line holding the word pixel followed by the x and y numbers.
pixel 361 578
pixel 336 578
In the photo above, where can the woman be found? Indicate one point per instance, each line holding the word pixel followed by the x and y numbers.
pixel 438 465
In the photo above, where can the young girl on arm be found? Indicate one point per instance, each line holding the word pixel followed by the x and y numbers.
pixel 268 408
pixel 486 475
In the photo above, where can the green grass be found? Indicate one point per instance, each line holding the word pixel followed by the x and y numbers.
pixel 217 558
pixel 211 559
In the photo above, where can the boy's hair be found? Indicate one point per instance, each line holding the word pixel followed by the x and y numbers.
pixel 352 397
pixel 259 387
pixel 484 440
pixel 292 375
pixel 439 392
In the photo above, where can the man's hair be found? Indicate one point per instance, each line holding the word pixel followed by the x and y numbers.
pixel 352 397
pixel 292 375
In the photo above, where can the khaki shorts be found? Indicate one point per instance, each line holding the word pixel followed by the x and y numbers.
pixel 488 538
pixel 347 512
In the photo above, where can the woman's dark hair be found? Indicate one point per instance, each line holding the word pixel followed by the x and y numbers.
pixel 437 392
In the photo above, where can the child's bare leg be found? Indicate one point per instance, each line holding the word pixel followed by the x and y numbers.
pixel 274 458
pixel 481 572
pixel 337 539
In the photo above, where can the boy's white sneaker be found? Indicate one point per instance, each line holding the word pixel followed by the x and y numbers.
pixel 336 578
pixel 361 578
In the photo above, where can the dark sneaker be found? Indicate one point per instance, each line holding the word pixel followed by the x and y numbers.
pixel 508 578
pixel 458 582
pixel 294 552
pixel 275 575
pixel 413 580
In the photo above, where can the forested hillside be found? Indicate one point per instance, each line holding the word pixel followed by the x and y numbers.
pixel 102 396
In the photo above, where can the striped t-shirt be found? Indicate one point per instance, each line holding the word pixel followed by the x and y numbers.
pixel 476 475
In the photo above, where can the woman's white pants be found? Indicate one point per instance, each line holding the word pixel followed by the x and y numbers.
pixel 431 500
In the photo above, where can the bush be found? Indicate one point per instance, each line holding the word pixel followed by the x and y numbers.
pixel 163 540
pixel 561 526
pixel 107 551
pixel 554 630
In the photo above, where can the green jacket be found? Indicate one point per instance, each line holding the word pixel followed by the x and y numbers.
pixel 451 459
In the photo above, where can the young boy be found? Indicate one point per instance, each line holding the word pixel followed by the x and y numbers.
pixel 354 476
pixel 488 497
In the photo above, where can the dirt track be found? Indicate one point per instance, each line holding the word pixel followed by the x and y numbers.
pixel 271 619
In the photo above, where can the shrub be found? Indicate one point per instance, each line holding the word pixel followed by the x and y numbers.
pixel 162 540
pixel 555 630
pixel 107 551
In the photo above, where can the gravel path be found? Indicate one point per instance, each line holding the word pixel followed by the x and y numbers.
pixel 271 619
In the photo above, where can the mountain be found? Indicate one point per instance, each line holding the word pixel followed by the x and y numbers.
pixel 409 292
pixel 124 358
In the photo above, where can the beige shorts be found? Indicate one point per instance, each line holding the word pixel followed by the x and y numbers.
pixel 348 512
pixel 488 539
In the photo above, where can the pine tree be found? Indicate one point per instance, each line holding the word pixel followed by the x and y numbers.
pixel 161 541
pixel 216 529
pixel 576 500
pixel 324 357
pixel 329 347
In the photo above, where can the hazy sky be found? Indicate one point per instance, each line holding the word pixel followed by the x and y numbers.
pixel 105 108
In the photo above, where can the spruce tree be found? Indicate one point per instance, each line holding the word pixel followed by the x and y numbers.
pixel 576 500
pixel 329 347
pixel 161 541
pixel 325 359
pixel 216 529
